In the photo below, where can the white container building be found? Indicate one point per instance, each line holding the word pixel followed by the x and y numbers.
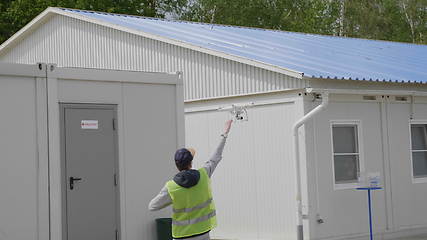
pixel 77 149
pixel 366 103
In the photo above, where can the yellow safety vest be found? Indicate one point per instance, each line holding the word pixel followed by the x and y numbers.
pixel 193 208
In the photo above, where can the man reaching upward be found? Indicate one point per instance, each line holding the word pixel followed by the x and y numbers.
pixel 190 194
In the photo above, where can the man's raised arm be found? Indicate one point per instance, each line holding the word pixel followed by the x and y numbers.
pixel 216 157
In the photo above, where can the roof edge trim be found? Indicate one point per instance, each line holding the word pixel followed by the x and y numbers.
pixel 373 92
pixel 370 80
pixel 250 94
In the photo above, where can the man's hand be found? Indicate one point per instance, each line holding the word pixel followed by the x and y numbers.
pixel 227 126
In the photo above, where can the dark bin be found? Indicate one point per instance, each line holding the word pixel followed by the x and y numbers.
pixel 164 228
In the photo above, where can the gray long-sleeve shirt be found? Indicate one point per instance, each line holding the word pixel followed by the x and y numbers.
pixel 163 199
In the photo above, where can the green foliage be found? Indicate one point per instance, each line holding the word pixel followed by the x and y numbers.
pixel 394 20
pixel 15 14
pixel 303 16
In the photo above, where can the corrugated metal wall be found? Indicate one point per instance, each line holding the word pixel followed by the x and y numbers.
pixel 71 42
pixel 254 185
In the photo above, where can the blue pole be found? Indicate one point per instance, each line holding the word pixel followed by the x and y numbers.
pixel 370 214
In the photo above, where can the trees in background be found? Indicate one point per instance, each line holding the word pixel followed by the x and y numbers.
pixel 313 16
pixel 394 20
pixel 14 14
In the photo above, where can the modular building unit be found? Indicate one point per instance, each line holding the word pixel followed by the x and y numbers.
pixel 381 133
pixel 83 150
pixel 255 184
pixel 285 75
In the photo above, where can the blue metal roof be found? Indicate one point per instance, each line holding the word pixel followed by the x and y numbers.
pixel 314 55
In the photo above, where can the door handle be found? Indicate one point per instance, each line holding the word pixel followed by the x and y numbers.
pixel 72 180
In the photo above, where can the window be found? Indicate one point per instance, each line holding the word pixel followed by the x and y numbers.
pixel 345 139
pixel 419 150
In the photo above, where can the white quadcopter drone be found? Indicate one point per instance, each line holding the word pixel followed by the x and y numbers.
pixel 239 113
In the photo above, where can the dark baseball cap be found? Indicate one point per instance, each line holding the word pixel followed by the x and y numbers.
pixel 184 156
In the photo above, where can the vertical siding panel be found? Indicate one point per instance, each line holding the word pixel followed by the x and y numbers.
pixel 163 65
pixel 205 68
pixel 160 65
pixel 236 72
pixel 159 51
pixel 172 61
pixel 240 87
pixel 216 83
pixel 201 89
pixel 167 61
pixel 139 54
pixel 265 77
pixel 260 80
pixel 273 79
pixel 213 81
pixel 131 51
pixel 208 69
pixel 125 50
pixel 188 74
pixel 241 83
pixel 201 77
pixel 150 55
pixel 258 85
pixel 194 74
pixel 221 78
pixel 154 52
pixel 245 77
pixel 264 80
pixel 250 76
pixel 209 73
pixel 233 72
pixel 228 78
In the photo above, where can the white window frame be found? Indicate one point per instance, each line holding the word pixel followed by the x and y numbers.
pixel 415 179
pixel 358 124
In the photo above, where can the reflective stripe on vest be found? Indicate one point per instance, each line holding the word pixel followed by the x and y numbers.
pixel 194 221
pixel 193 208
pixel 200 206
